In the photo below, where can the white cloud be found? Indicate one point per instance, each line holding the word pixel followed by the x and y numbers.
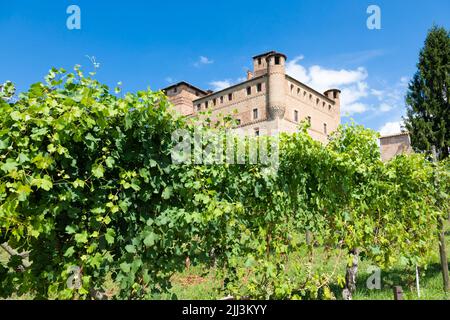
pixel 220 84
pixel 170 80
pixel 350 82
pixel 377 93
pixel 223 84
pixel 296 70
pixel 353 108
pixel 323 79
pixel 202 61
pixel 391 128
pixel 354 93
pixel 384 107
pixel 205 60
pixel 391 97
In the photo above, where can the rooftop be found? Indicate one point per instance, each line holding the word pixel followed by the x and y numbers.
pixel 269 53
pixel 186 84
pixel 404 133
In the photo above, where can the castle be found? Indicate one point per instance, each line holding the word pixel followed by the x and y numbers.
pixel 269 101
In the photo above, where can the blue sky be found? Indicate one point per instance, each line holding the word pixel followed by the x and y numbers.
pixel 210 44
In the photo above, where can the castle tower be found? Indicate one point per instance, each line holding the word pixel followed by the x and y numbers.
pixel 335 95
pixel 276 87
pixel 260 64
pixel 267 102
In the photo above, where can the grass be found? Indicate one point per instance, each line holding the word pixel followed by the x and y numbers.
pixel 199 283
pixel 430 280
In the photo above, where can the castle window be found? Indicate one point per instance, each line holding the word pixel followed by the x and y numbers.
pixel 310 96
pixel 214 102
pixel 304 94
pixel 249 91
pixel 298 91
pixel 199 107
pixel 323 104
pixel 221 99
pixel 259 87
pixel 196 93
pixel 277 60
pixel 255 113
pixel 257 132
pixel 329 107
pixel 308 118
pixel 296 115
pixel 317 101
pixel 259 61
pixel 206 104
pixel 325 128
pixel 334 94
pixel 175 90
pixel 292 88
pixel 230 96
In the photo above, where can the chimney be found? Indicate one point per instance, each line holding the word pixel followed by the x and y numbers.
pixel 249 75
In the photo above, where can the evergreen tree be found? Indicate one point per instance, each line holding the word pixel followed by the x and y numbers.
pixel 427 99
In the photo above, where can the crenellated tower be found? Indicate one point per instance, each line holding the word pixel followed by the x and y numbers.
pixel 276 87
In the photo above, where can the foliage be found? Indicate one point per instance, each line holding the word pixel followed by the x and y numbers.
pixel 88 181
pixel 428 98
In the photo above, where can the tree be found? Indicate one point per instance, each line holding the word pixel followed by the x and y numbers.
pixel 427 99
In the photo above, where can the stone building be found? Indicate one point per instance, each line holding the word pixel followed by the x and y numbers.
pixel 392 145
pixel 269 101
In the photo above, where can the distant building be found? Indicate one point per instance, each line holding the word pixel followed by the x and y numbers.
pixel 269 101
pixel 395 144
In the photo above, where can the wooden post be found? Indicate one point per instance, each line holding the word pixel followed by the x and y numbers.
pixel 187 262
pixel 417 281
pixel 309 238
pixel 350 275
pixel 441 230
pixel 443 255
pixel 398 293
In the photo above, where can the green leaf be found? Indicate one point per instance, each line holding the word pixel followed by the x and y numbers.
pixel 23 191
pixel 125 267
pixel 23 158
pixel 44 183
pixel 135 187
pixel 98 170
pixel 42 161
pixel 16 116
pixel 150 239
pixel 69 252
pixel 81 237
pixel 167 193
pixel 110 162
pixel 78 183
pixel 4 143
pixel 70 230
pixel 9 165
pixel 109 235
pixel 130 248
pixel 153 163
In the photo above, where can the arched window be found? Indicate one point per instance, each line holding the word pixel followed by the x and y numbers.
pixel 255 113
